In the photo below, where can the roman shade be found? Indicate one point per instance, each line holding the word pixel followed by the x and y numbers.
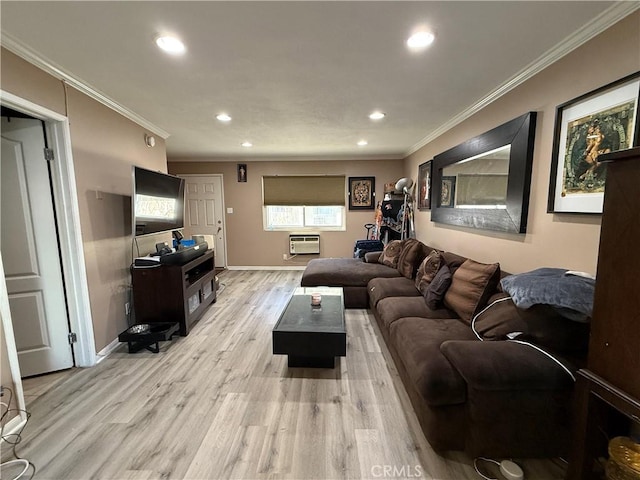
pixel 307 190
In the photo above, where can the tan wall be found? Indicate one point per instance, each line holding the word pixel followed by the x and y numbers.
pixel 105 145
pixel 247 242
pixel 556 240
pixel 28 82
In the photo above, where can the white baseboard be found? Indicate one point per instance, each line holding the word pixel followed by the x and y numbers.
pixel 261 267
pixel 106 351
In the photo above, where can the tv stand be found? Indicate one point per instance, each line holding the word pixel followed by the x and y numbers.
pixel 174 293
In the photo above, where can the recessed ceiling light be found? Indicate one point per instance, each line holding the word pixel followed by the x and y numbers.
pixel 170 44
pixel 223 117
pixel 362 143
pixel 377 115
pixel 247 144
pixel 420 40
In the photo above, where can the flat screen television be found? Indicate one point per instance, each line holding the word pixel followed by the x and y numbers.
pixel 158 202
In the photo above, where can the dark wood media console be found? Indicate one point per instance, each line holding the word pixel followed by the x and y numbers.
pixel 174 293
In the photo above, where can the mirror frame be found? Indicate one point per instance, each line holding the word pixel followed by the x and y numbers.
pixel 520 134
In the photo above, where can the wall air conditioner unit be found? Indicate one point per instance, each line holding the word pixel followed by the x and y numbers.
pixel 304 244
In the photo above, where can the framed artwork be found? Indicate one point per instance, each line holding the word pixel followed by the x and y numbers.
pixel 448 192
pixel 362 192
pixel 424 186
pixel 242 172
pixel 598 122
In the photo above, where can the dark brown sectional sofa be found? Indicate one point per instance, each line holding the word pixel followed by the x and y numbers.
pixel 471 387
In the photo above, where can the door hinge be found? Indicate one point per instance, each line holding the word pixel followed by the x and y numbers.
pixel 48 154
pixel 73 338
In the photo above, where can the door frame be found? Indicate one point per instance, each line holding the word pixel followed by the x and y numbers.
pixel 16 423
pixel 224 210
pixel 69 229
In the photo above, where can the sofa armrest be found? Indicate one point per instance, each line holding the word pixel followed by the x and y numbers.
pixel 506 366
pixel 518 399
pixel 372 257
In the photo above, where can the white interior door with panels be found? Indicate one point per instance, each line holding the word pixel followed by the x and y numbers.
pixel 63 183
pixel 204 213
pixel 30 251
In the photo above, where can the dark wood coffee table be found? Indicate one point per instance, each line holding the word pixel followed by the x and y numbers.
pixel 312 336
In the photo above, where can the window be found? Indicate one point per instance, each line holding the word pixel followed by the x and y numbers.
pixel 304 202
pixel 287 217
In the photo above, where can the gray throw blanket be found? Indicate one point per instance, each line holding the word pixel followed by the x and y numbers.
pixel 571 295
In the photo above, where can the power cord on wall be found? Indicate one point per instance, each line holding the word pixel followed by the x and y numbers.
pixel 14 438
pixel 134 243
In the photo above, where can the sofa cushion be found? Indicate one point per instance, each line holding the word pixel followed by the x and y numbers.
pixel 498 319
pixel 507 367
pixel 437 289
pixel 571 295
pixel 452 260
pixel 548 328
pixel 417 342
pixel 343 272
pixel 412 254
pixel 427 270
pixel 391 253
pixel 541 325
pixel 471 286
pixel 372 257
pixel 380 288
pixel 391 309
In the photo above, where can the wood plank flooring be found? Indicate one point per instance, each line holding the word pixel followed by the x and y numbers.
pixel 218 405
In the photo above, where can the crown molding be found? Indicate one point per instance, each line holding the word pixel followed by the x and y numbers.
pixel 33 57
pixel 596 26
pixel 309 158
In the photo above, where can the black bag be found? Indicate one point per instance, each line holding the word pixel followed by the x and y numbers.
pixel 363 246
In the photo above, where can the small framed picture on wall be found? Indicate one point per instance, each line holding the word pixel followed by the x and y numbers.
pixel 448 192
pixel 362 192
pixel 424 185
pixel 242 172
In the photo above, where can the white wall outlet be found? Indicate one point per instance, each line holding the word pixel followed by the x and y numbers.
pixel 127 309
pixel 284 256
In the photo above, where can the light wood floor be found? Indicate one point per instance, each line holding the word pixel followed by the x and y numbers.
pixel 217 404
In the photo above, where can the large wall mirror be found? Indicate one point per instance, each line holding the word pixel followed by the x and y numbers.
pixel 485 182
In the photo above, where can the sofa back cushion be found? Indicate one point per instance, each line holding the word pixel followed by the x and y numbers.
pixel 391 253
pixel 539 324
pixel 412 254
pixel 452 260
pixel 550 329
pixel 498 319
pixel 471 286
pixel 427 270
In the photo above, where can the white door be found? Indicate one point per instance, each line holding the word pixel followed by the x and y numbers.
pixel 205 213
pixel 29 246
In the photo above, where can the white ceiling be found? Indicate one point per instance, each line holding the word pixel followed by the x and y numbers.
pixel 299 78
